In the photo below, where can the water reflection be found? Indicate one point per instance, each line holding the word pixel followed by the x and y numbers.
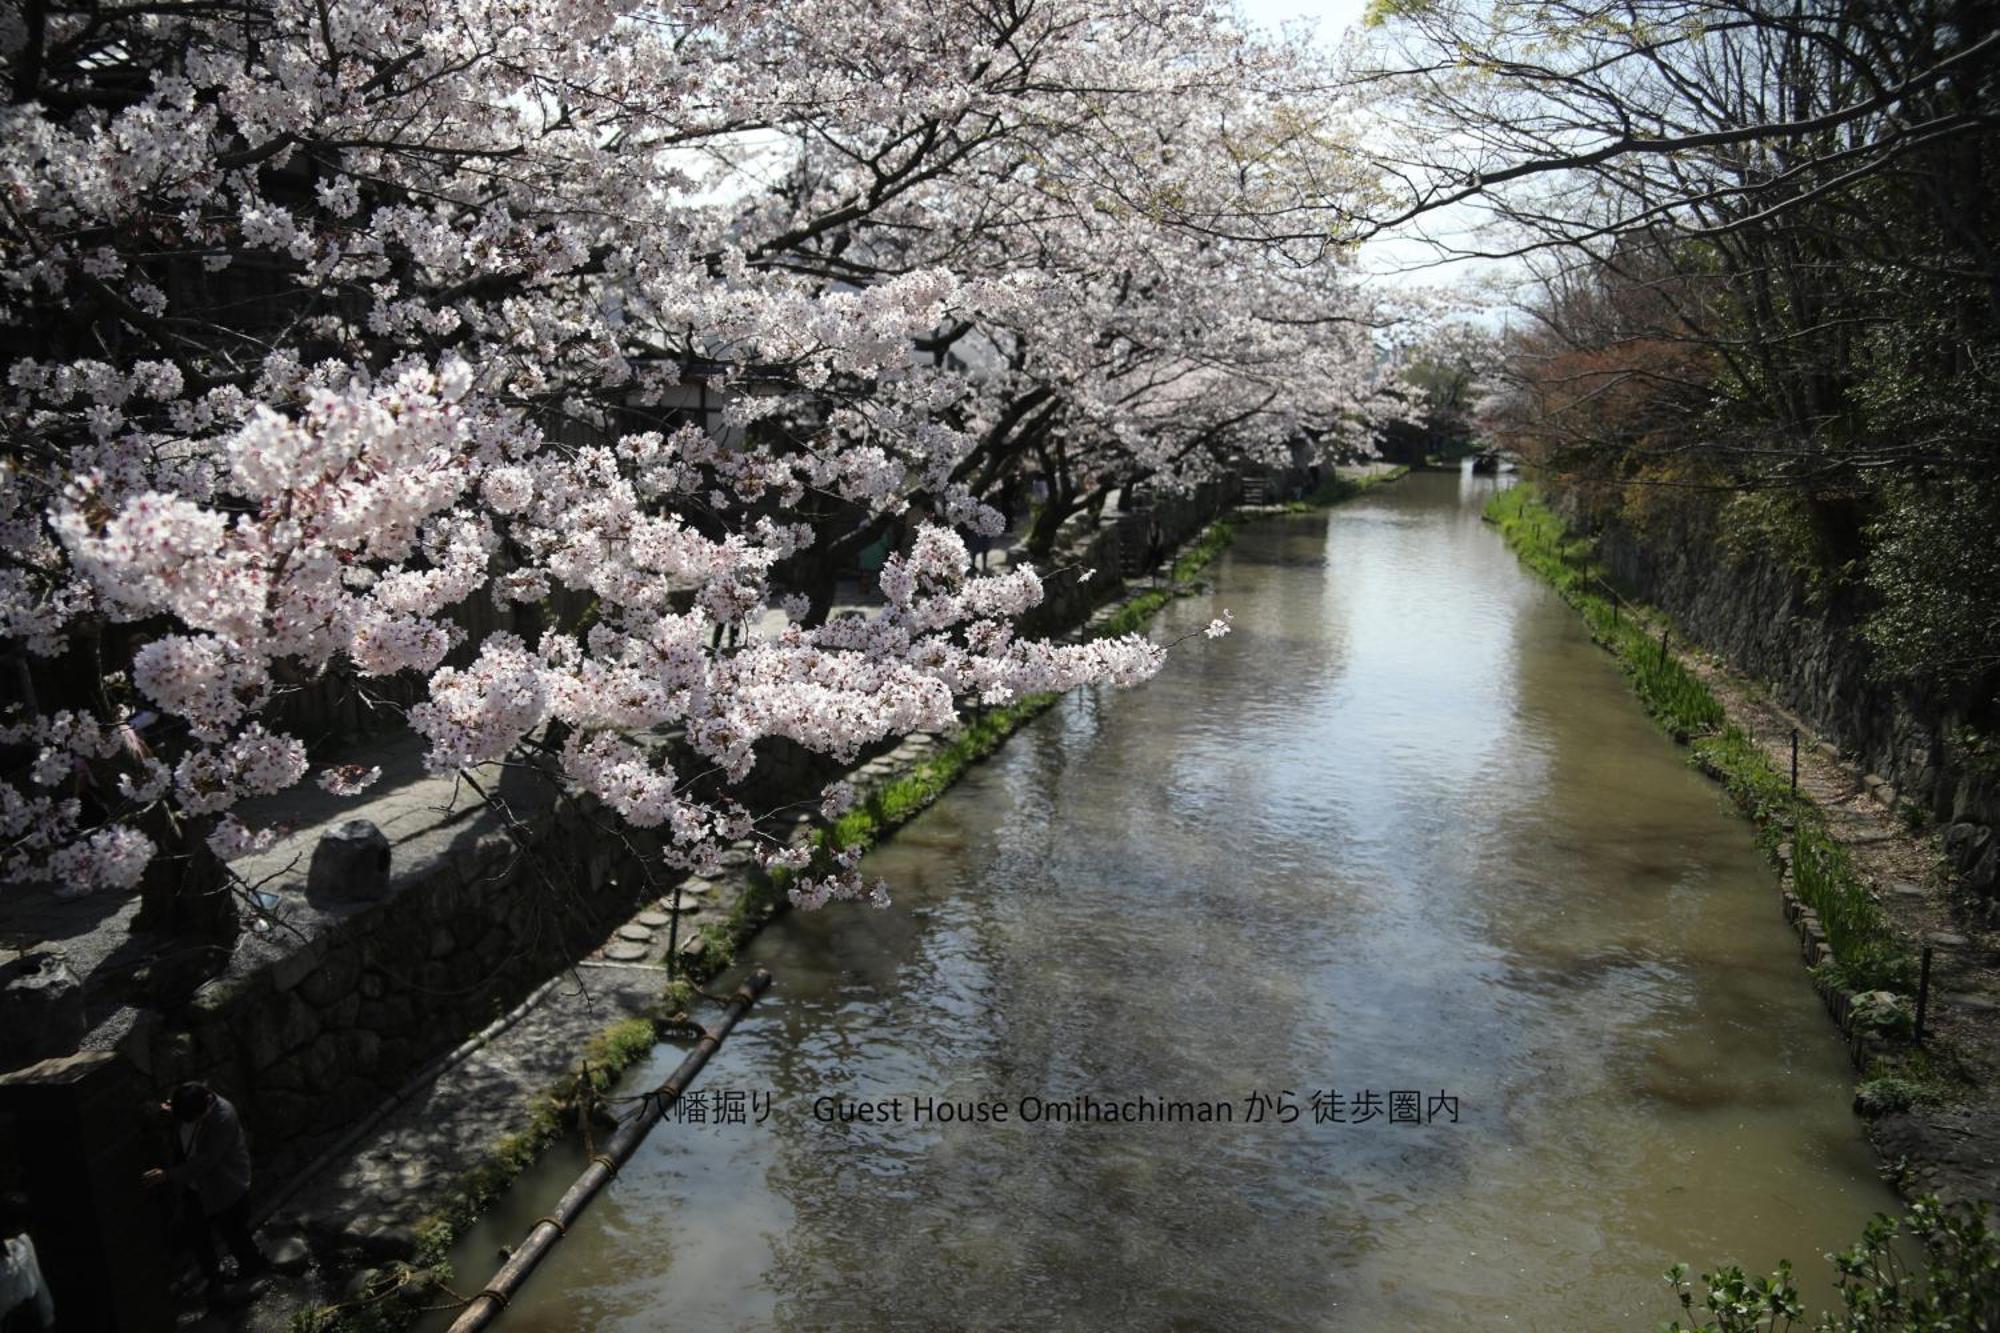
pixel 1404 830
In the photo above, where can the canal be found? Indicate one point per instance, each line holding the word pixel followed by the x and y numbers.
pixel 1404 831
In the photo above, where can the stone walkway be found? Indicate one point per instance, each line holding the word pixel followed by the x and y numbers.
pixel 361 1209
pixel 363 1206
pixel 1952 1149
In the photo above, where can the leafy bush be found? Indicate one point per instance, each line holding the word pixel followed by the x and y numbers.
pixel 1954 1288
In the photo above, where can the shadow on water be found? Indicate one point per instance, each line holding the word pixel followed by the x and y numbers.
pixel 1405 831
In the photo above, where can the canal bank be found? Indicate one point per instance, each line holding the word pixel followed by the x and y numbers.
pixel 1862 877
pixel 1404 832
pixel 381 1212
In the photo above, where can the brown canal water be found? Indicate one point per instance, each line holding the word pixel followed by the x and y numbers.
pixel 1405 830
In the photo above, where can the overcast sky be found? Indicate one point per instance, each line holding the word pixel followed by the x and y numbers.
pixel 1396 257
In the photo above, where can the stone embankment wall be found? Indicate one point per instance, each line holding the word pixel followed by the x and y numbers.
pixel 1760 617
pixel 317 1023
pixel 1114 550
pixel 308 1042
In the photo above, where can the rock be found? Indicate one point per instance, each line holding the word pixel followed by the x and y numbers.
pixel 289 1255
pixel 359 1287
pixel 275 1029
pixel 653 920
pixel 283 1115
pixel 336 976
pixel 41 1009
pixel 1983 875
pixel 635 933
pixel 325 1070
pixel 299 964
pixel 626 952
pixel 1975 853
pixel 350 864
pixel 390 1242
pixel 1944 939
pixel 694 946
pixel 147 1037
pixel 364 1049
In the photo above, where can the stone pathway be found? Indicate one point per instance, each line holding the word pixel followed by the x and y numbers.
pixel 1953 1149
pixel 361 1209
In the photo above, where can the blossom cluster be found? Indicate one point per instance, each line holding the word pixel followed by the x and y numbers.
pixel 550 355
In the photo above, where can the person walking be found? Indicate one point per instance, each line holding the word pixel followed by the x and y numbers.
pixel 211 1171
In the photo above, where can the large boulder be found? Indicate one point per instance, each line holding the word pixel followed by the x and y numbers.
pixel 350 864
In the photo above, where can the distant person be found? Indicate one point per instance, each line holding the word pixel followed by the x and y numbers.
pixel 1008 502
pixel 25 1302
pixel 211 1172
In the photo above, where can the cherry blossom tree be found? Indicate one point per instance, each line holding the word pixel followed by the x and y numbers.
pixel 327 323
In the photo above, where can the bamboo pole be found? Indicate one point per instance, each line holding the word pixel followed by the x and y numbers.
pixel 482 1309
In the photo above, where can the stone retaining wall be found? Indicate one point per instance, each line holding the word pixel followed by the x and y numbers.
pixel 307 1035
pixel 311 1042
pixel 1760 618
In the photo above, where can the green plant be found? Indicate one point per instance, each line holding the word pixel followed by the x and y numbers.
pixel 1538 536
pixel 1879 1096
pixel 1337 488
pixel 1883 1013
pixel 1866 953
pixel 1953 1288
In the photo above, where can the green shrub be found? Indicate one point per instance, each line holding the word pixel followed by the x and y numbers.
pixel 1954 1287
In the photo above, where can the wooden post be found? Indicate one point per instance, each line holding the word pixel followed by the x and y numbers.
pixel 1663 648
pixel 1923 993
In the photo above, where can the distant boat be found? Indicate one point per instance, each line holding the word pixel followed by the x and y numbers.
pixel 1486 462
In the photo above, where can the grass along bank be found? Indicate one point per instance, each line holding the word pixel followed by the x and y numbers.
pixel 1338 488
pixel 391 1296
pixel 1946 1275
pixel 1867 958
pixel 902 798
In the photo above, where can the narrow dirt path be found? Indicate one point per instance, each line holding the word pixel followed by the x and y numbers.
pixel 1951 1149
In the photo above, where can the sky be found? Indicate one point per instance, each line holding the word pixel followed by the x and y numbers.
pixel 1331 16
pixel 1400 258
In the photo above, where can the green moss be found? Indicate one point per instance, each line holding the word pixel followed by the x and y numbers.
pixel 1867 956
pixel 1670 692
pixel 1337 488
pixel 619 1046
pixel 606 1055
